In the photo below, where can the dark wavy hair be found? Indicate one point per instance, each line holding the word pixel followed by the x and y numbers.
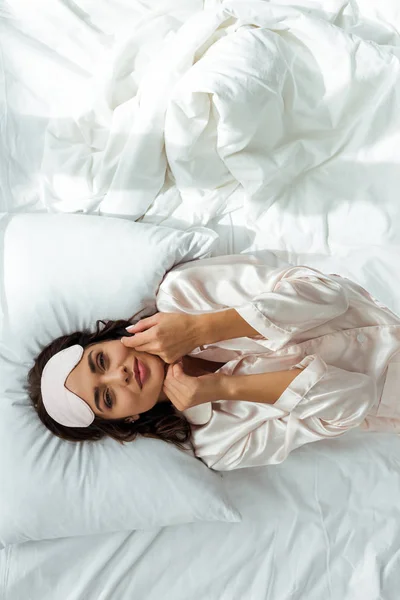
pixel 160 422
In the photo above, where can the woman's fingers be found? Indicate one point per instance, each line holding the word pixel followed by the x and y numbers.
pixel 138 345
pixel 142 325
pixel 171 380
pixel 178 370
pixel 168 335
pixel 172 372
pixel 169 375
pixel 172 390
pixel 139 339
pixel 146 344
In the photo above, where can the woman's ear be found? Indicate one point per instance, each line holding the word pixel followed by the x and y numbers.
pixel 132 419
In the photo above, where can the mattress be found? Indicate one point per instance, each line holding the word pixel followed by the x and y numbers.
pixel 278 126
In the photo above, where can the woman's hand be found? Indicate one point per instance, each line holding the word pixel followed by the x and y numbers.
pixel 185 391
pixel 169 335
pixel 173 335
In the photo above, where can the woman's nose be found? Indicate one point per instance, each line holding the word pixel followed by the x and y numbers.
pixel 119 375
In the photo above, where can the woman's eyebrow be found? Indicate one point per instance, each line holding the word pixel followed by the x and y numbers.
pixel 92 368
pixel 91 363
pixel 96 399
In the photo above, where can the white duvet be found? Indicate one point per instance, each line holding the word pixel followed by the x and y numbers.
pixel 267 99
pixel 277 124
pixel 175 113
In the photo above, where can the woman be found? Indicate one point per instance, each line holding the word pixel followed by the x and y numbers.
pixel 301 357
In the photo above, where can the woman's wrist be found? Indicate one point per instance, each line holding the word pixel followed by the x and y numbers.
pixel 222 325
pixel 226 387
pixel 218 386
pixel 231 387
pixel 264 388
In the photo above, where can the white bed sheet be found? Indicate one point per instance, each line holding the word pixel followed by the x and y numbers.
pixel 323 525
pixel 326 524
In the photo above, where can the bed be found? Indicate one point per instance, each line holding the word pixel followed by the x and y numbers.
pixel 322 525
pixel 277 125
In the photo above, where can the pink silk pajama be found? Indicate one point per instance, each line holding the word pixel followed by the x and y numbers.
pixel 346 342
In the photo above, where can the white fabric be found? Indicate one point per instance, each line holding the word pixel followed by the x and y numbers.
pixel 338 215
pixel 54 489
pixel 326 325
pixel 315 114
pixel 323 524
pixel 330 181
pixel 61 273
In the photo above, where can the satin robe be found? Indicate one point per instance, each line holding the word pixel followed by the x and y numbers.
pixel 346 343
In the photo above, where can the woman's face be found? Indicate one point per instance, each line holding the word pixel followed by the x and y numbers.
pixel 117 382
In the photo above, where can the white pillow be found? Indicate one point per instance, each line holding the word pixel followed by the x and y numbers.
pixel 61 273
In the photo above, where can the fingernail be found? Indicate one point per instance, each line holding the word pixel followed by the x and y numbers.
pixel 130 327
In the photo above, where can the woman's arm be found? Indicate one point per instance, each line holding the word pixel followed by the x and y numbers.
pixel 222 325
pixel 320 401
pixel 265 388
pixel 241 295
pixel 218 299
pixel 186 391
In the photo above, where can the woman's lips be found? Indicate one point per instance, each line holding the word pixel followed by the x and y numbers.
pixel 143 372
pixel 136 372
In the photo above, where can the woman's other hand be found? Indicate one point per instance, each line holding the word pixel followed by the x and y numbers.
pixel 169 335
pixel 185 391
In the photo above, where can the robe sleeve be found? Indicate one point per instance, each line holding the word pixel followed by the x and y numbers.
pixel 322 402
pixel 279 303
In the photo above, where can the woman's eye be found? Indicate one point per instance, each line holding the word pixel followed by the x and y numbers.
pixel 108 400
pixel 101 361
